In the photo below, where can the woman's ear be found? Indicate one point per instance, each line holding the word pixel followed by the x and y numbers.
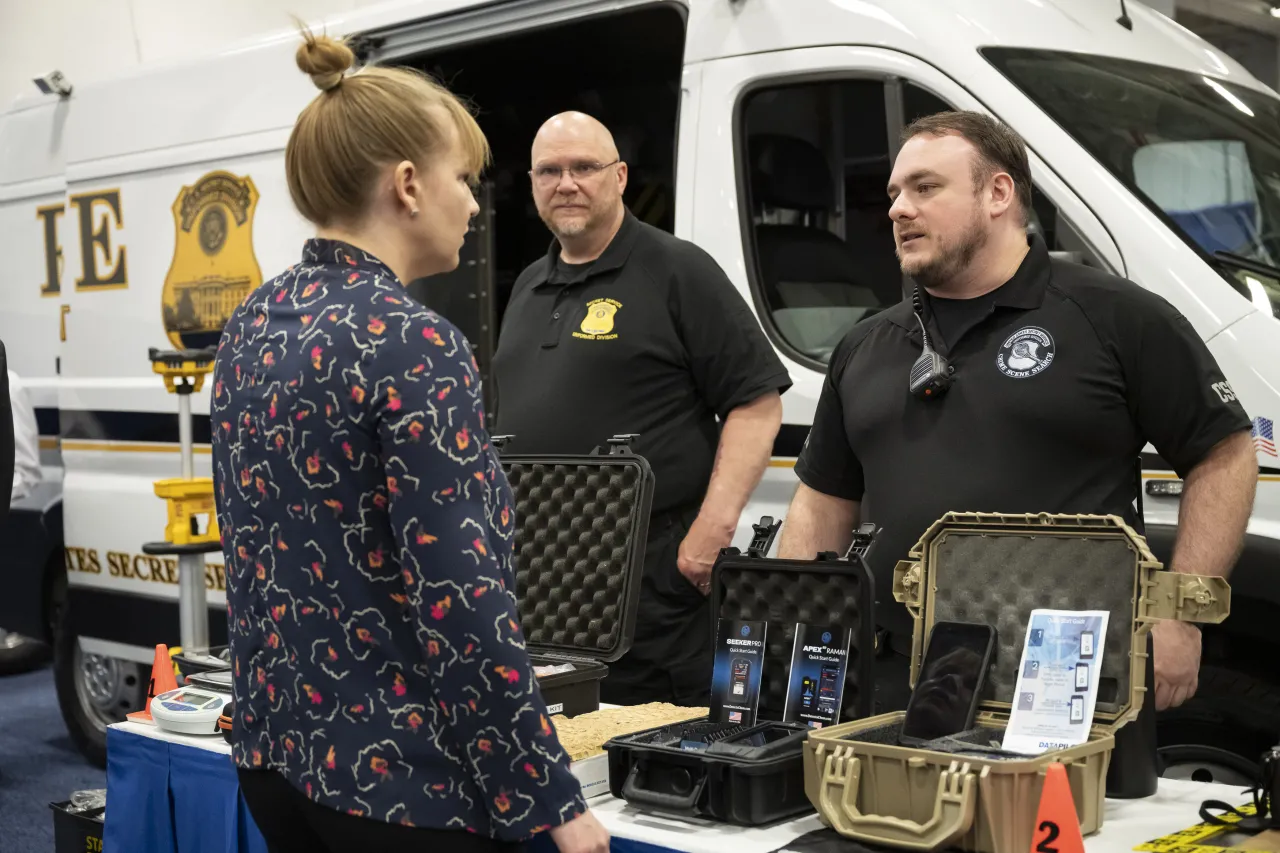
pixel 404 180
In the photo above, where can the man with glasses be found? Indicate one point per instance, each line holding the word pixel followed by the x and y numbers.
pixel 623 328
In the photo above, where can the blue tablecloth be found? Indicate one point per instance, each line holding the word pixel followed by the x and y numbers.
pixel 166 797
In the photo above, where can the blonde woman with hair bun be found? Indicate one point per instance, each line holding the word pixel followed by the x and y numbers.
pixel 384 699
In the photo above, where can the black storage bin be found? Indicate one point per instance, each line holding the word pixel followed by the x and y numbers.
pixel 76 832
pixel 578 553
pixel 730 780
pixel 581 526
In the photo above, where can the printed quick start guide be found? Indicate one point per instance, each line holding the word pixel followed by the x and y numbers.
pixel 1057 680
pixel 818 662
pixel 735 682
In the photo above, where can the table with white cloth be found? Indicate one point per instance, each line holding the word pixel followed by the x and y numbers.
pixel 170 793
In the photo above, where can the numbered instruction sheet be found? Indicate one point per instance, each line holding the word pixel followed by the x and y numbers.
pixel 1057 680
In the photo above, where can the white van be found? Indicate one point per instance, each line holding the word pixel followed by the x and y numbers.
pixel 137 211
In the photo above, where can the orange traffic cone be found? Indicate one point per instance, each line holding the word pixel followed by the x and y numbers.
pixel 162 680
pixel 1057 828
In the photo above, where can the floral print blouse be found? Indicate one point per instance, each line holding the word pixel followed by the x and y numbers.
pixel 367 529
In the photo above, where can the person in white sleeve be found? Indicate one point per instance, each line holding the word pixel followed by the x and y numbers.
pixel 18 652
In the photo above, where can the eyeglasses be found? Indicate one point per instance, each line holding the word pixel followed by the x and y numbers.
pixel 546 176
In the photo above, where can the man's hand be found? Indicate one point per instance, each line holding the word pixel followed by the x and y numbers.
pixel 1177 663
pixel 699 550
pixel 583 834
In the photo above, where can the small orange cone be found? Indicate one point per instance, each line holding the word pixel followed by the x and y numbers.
pixel 162 680
pixel 1057 828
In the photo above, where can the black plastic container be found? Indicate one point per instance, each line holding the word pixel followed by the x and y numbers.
pixel 578 549
pixel 76 832
pixel 582 522
pixel 756 786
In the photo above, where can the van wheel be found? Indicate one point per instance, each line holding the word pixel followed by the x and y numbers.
pixel 1220 734
pixel 94 691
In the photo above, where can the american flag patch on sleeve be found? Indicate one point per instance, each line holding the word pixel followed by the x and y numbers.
pixel 1264 440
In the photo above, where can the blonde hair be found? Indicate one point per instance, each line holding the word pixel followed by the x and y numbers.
pixel 361 123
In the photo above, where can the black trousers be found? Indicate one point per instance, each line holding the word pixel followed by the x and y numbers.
pixel 291 823
pixel 671 654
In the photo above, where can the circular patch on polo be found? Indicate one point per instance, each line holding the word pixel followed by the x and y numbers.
pixel 1026 353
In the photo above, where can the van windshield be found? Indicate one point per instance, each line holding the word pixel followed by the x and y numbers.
pixel 1202 152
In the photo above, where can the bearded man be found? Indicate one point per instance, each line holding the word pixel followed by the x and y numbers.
pixel 1054 377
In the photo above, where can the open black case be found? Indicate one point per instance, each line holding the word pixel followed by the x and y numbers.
pixel 578 553
pixel 755 775
pixel 581 526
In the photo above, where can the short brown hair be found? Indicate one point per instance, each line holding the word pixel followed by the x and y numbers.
pixel 1000 148
pixel 362 122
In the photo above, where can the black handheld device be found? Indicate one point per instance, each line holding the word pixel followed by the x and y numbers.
pixel 931 375
pixel 949 686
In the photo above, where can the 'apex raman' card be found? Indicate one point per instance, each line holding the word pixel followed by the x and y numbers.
pixel 815 690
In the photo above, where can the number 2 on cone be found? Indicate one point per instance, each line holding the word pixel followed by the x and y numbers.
pixel 1050 830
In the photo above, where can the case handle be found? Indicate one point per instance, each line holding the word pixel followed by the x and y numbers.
pixel 952 815
pixel 632 792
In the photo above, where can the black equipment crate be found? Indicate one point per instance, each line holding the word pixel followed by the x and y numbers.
pixel 76 832
pixel 581 526
pixel 578 549
pixel 758 784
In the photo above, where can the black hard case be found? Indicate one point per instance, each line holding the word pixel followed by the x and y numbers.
pixel 582 523
pixel 740 790
pixel 578 552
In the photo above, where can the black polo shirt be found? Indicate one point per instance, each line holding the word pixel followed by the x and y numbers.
pixel 1061 379
pixel 651 338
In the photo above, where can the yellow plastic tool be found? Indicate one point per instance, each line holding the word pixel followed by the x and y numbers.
pixel 183 369
pixel 187 501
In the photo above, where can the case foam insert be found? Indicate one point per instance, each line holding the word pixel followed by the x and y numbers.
pixel 998 579
pixel 784 597
pixel 980 736
pixel 573 537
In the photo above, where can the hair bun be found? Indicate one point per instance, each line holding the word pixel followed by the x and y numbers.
pixel 326 60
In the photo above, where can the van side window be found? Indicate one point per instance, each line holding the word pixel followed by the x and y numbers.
pixel 815 162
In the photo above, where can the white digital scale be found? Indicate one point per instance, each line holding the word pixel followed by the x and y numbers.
pixel 194 708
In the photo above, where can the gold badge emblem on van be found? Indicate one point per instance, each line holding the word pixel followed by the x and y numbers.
pixel 214 266
pixel 598 324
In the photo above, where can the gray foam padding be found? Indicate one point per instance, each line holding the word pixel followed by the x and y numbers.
pixel 887 735
pixel 998 579
pixel 784 597
pixel 575 526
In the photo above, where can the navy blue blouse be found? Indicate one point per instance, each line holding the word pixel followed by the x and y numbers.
pixel 367 528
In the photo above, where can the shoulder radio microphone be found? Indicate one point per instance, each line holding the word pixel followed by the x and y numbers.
pixel 931 375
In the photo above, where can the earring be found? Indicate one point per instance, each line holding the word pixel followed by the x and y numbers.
pixel 413 212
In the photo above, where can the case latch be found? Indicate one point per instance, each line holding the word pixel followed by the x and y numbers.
pixel 620 445
pixel 864 538
pixel 762 538
pixel 499 442
pixel 1186 598
pixel 908 583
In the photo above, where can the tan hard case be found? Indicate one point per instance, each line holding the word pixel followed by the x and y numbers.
pixel 995 569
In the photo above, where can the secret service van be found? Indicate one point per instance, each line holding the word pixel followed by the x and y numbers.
pixel 136 212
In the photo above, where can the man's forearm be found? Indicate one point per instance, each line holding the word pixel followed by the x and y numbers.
pixel 746 445
pixel 1217 499
pixel 816 523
